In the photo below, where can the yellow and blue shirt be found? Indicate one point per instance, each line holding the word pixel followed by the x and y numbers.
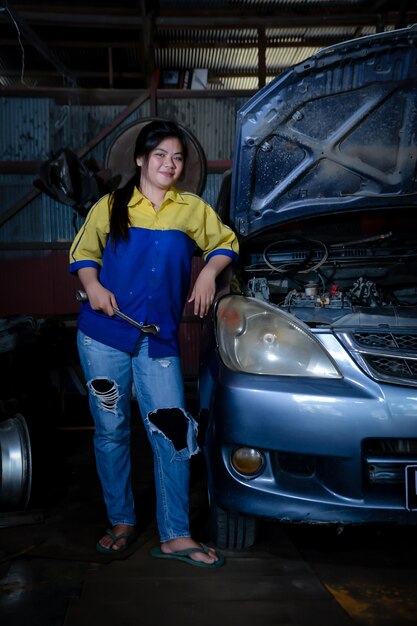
pixel 149 273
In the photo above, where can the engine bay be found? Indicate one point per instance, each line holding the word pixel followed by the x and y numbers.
pixel 323 269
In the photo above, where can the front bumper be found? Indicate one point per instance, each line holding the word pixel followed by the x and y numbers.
pixel 320 444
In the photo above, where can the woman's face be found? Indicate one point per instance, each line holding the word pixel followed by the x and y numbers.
pixel 164 164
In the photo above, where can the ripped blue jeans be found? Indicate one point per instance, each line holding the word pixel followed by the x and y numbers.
pixel 159 389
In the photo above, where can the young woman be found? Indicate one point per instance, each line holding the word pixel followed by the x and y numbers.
pixel 134 252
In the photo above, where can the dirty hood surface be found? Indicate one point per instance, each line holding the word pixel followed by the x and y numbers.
pixel 336 133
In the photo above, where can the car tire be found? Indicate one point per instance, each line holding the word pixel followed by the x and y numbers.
pixel 232 530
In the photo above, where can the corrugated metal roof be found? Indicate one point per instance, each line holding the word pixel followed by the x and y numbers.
pixel 114 45
pixel 232 55
pixel 257 4
pixel 202 37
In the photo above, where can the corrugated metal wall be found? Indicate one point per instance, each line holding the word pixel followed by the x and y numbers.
pixel 37 282
pixel 25 129
pixel 33 128
pixel 211 120
pixel 42 220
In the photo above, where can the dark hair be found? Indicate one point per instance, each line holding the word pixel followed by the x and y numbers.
pixel 148 139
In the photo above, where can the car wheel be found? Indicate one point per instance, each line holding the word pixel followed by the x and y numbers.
pixel 232 530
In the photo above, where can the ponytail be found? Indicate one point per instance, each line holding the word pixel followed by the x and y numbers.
pixel 119 210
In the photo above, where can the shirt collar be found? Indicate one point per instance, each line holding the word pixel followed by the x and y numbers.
pixel 175 195
pixel 172 194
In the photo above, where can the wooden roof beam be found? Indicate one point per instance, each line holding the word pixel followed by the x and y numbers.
pixel 221 21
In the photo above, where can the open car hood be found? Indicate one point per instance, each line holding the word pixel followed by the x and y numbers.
pixel 335 133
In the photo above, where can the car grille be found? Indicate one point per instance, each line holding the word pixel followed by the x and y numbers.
pixel 385 356
pixel 401 341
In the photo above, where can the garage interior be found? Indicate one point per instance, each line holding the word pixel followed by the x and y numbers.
pixel 78 76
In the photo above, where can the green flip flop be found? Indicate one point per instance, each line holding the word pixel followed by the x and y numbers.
pixel 184 556
pixel 128 535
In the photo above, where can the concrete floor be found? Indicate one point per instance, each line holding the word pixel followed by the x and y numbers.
pixel 51 574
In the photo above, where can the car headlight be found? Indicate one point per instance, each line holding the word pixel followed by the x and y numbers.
pixel 258 338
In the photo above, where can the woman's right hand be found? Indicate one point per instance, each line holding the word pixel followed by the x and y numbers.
pixel 100 298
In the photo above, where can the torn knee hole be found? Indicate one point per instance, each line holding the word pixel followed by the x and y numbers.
pixel 106 392
pixel 102 385
pixel 173 423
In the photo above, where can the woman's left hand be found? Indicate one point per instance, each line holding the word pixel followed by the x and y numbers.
pixel 204 291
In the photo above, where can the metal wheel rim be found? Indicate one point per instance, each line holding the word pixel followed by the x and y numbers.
pixel 15 463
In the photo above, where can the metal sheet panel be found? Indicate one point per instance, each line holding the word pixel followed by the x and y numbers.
pixel 75 125
pixel 32 128
pixel 24 129
pixel 212 188
pixel 42 220
pixel 211 120
pixel 12 188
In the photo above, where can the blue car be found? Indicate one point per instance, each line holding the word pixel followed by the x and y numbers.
pixel 309 375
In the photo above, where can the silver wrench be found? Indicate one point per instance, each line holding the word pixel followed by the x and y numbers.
pixel 153 329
